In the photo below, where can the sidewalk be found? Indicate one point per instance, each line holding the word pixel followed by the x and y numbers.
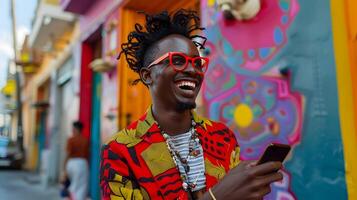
pixel 18 185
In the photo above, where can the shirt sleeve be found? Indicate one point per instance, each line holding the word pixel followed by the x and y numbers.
pixel 116 181
pixel 235 154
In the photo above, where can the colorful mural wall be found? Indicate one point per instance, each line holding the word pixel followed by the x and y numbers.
pixel 272 79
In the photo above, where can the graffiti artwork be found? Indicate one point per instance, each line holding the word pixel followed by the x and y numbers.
pixel 246 46
pixel 260 108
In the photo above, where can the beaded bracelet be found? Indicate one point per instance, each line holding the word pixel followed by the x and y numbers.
pixel 211 193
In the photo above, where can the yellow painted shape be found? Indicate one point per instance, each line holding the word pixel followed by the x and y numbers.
pixel 10 88
pixel 211 3
pixel 25 57
pixel 344 84
pixel 243 115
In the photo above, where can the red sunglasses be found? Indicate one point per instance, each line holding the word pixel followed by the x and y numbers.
pixel 179 61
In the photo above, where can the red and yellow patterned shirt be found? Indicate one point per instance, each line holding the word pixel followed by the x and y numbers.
pixel 136 163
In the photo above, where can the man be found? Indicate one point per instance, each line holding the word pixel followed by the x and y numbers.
pixel 76 163
pixel 171 152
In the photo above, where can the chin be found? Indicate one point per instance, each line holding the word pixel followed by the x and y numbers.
pixel 182 106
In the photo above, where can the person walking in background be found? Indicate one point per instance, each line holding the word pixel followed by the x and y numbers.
pixel 76 163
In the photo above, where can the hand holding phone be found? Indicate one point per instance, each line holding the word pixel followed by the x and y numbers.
pixel 274 152
pixel 250 180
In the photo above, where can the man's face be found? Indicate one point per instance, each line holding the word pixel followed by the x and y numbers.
pixel 170 88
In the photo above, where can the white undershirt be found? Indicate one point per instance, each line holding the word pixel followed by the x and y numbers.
pixel 196 173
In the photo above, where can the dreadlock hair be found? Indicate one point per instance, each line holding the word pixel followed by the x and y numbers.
pixel 183 22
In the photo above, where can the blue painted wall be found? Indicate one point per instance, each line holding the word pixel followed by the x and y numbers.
pixel 317 166
pixel 95 143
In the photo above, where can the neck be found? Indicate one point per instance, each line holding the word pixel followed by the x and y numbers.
pixel 171 121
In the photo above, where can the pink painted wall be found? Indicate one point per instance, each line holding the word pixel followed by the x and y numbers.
pixel 96 16
pixel 109 107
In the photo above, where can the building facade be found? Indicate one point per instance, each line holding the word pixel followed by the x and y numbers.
pixel 286 75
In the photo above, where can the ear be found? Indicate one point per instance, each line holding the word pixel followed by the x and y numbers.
pixel 145 76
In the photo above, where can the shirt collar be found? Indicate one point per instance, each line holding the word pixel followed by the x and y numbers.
pixel 147 121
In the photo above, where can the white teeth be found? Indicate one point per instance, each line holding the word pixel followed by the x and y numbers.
pixel 187 83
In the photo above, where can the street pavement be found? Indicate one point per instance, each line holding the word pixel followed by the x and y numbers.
pixel 21 185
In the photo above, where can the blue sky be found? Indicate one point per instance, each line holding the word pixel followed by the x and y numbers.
pixel 25 10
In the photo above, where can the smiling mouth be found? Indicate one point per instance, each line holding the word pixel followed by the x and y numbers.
pixel 186 85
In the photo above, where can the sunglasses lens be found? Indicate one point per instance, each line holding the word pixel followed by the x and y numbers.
pixel 200 64
pixel 178 61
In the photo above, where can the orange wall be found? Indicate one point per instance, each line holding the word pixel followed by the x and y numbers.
pixel 134 100
pixel 351 18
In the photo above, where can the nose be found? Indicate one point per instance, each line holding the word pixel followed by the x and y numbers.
pixel 190 69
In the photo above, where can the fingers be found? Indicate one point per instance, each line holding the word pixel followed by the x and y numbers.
pixel 251 164
pixel 242 166
pixel 261 186
pixel 259 193
pixel 265 190
pixel 250 180
pixel 266 168
pixel 268 179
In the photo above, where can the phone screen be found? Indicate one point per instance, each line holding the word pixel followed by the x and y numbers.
pixel 274 152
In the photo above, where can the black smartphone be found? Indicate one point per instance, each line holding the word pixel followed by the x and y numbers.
pixel 274 152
